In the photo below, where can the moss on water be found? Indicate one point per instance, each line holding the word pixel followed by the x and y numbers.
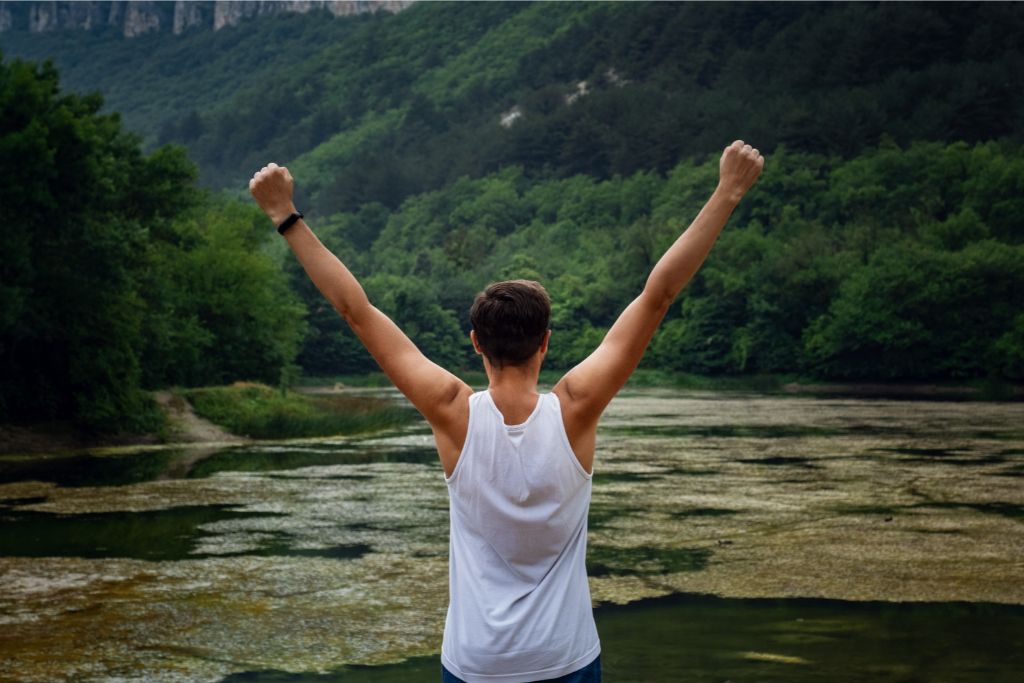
pixel 280 544
pixel 723 431
pixel 644 561
pixel 333 558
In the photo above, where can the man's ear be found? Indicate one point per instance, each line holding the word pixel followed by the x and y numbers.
pixel 544 344
pixel 476 344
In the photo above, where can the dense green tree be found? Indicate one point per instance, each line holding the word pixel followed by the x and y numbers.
pixel 118 273
pixel 224 311
pixel 71 315
pixel 914 312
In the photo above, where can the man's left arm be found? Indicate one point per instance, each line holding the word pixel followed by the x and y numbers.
pixel 591 385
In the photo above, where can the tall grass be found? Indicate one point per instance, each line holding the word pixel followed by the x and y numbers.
pixel 260 412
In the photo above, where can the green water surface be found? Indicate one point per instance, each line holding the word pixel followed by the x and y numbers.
pixel 731 538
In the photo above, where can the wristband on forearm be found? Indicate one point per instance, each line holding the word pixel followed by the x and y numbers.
pixel 289 222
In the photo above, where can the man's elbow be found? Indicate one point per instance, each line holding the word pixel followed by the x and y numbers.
pixel 657 298
pixel 344 310
pixel 355 316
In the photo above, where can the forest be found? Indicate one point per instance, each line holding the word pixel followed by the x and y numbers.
pixel 451 145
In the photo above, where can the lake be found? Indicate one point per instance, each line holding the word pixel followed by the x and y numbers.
pixel 733 537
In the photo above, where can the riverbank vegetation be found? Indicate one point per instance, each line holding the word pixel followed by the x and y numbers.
pixel 447 146
pixel 262 412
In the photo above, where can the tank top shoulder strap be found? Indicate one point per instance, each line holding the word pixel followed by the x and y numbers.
pixel 554 410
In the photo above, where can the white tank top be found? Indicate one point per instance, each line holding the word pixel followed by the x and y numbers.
pixel 519 602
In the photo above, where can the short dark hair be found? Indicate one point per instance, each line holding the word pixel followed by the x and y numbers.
pixel 510 319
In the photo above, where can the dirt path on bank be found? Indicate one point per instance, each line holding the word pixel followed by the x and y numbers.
pixel 187 427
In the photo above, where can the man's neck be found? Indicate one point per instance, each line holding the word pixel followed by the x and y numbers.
pixel 513 380
pixel 514 391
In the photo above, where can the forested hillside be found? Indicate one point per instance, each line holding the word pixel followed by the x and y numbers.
pixel 453 144
pixel 899 263
pixel 378 107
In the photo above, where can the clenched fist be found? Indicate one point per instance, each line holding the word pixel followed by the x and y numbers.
pixel 739 167
pixel 272 187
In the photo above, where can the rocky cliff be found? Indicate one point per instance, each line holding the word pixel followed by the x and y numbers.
pixel 135 17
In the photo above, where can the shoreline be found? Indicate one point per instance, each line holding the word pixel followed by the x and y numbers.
pixel 185 427
pixel 1008 392
pixel 973 389
pixel 60 438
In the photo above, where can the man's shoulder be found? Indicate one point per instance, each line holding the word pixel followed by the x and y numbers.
pixel 450 425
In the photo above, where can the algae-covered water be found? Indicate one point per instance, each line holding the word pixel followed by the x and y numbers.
pixel 732 537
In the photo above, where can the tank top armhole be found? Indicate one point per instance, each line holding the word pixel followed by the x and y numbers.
pixel 565 440
pixel 473 399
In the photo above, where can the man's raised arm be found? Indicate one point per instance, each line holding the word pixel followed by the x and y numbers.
pixel 429 387
pixel 592 384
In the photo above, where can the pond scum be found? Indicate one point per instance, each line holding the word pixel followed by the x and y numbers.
pixel 324 555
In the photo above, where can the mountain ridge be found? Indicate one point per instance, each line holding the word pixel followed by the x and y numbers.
pixel 136 17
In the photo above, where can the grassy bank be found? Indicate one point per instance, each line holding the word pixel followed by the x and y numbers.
pixel 260 412
pixel 982 389
pixel 640 378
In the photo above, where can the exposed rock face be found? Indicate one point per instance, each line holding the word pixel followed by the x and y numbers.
pixel 140 17
pixel 508 118
pixel 230 13
pixel 136 17
pixel 46 16
pixel 190 14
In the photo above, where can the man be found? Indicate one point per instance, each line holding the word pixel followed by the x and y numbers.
pixel 518 464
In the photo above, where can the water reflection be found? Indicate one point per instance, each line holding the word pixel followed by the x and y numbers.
pixel 196 462
pixel 88 470
pixel 706 639
pixel 167 534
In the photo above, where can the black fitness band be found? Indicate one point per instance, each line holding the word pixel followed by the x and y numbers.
pixel 288 222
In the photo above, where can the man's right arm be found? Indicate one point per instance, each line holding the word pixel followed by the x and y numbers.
pixel 587 389
pixel 434 391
